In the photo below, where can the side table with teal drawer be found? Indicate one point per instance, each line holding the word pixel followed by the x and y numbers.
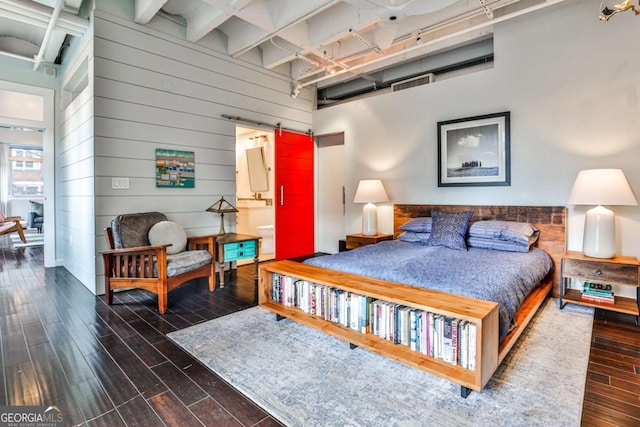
pixel 235 247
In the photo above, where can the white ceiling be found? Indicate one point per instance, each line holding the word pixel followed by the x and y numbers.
pixel 314 41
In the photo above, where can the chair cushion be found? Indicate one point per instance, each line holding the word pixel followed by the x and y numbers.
pixel 186 261
pixel 168 232
pixel 36 207
pixel 131 230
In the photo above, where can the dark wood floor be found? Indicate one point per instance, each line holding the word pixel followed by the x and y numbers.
pixel 612 393
pixel 113 365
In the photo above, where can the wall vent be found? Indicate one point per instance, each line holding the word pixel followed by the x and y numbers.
pixel 413 82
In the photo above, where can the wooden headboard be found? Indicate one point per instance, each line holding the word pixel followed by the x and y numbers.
pixel 550 220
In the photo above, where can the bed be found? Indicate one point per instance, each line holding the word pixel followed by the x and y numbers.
pixel 495 338
pixel 505 277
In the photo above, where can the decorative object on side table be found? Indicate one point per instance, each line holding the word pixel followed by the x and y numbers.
pixel 370 191
pixel 222 207
pixel 601 187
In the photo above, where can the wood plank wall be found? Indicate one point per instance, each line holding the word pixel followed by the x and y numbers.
pixel 153 89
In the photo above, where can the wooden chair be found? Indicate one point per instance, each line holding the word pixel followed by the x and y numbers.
pixel 10 224
pixel 134 262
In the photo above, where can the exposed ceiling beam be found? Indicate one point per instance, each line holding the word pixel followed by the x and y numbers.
pixel 204 19
pixel 47 34
pixel 432 41
pixel 147 9
pixel 305 15
pixel 32 13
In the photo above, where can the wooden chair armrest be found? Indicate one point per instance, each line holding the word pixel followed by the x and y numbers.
pixel 202 239
pixel 203 242
pixel 136 249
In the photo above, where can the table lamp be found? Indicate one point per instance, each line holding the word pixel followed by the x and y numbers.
pixel 600 187
pixel 370 191
pixel 222 207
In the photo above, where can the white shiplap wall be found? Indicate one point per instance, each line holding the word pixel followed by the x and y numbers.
pixel 75 237
pixel 152 89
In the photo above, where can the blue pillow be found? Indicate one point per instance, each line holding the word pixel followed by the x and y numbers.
pixel 513 231
pixel 449 229
pixel 496 244
pixel 417 225
pixel 414 237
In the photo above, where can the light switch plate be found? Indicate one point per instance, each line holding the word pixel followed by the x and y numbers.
pixel 120 183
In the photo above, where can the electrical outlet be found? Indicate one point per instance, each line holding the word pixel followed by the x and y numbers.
pixel 120 183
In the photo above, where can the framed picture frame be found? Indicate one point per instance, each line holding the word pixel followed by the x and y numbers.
pixel 175 169
pixel 474 151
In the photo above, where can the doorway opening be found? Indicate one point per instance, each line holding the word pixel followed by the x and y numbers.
pixel 255 188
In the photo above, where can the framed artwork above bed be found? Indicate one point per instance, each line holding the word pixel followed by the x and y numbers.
pixel 474 151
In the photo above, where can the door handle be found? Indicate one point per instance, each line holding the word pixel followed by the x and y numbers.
pixel 281 195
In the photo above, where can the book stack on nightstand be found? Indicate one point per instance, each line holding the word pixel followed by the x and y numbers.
pixel 597 292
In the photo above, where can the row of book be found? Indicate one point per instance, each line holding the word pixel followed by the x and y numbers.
pixel 598 292
pixel 449 339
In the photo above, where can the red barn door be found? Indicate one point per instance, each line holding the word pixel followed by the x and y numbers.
pixel 294 194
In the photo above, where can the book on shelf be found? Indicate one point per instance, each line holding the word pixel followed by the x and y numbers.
pixel 597 298
pixel 435 335
pixel 597 287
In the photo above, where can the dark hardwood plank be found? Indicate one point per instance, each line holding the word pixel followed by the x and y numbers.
pixel 113 380
pixel 183 388
pixel 138 373
pixel 138 412
pixel 110 419
pixel 172 411
pixel 612 388
pixel 210 413
pixel 21 384
pixel 91 398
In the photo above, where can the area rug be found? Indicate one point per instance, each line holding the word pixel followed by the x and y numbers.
pixel 33 239
pixel 304 377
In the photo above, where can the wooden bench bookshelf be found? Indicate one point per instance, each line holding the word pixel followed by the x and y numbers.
pixel 484 314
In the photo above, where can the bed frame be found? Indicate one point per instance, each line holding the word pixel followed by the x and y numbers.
pixel 550 220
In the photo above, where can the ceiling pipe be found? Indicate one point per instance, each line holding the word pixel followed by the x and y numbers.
pixel 47 34
pixel 286 27
pixel 473 28
pixel 16 56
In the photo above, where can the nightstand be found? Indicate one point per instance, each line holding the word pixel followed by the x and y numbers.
pixel 234 247
pixel 358 240
pixel 619 270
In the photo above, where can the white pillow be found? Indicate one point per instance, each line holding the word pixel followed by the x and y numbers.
pixel 165 232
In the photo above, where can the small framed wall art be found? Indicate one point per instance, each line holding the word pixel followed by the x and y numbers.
pixel 175 168
pixel 474 151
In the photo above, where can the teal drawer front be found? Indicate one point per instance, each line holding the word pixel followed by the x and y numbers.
pixel 235 251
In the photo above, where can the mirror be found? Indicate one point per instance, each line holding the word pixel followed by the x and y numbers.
pixel 258 178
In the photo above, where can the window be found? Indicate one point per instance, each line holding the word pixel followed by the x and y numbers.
pixel 26 171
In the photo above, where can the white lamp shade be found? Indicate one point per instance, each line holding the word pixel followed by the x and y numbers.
pixel 600 187
pixel 607 187
pixel 370 191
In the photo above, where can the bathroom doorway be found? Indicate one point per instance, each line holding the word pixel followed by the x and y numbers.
pixel 255 188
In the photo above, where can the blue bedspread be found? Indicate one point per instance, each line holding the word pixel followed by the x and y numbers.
pixel 503 277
